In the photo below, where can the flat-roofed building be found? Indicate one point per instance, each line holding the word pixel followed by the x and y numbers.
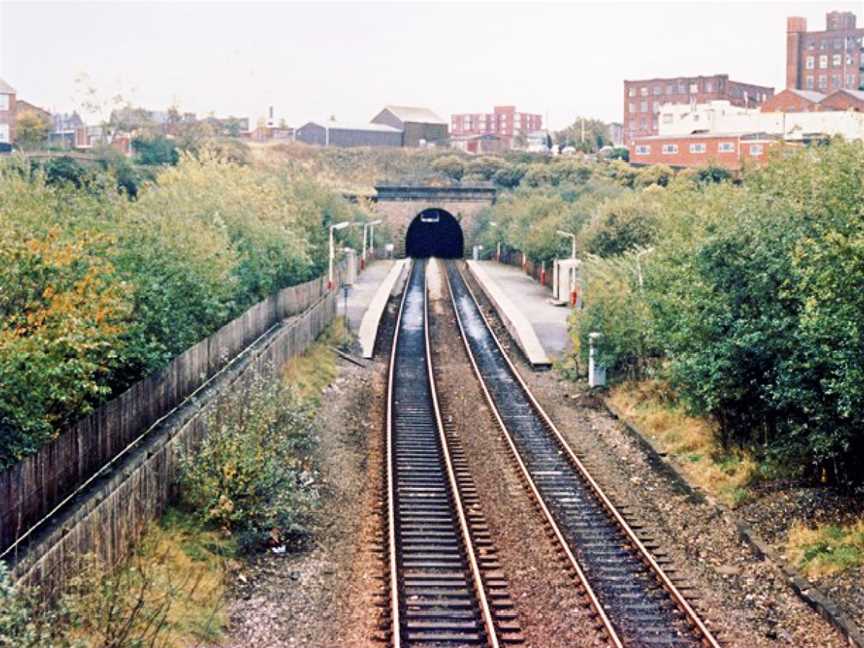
pixel 827 60
pixel 642 99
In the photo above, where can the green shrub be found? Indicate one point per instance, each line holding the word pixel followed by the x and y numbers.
pixel 249 476
pixel 24 621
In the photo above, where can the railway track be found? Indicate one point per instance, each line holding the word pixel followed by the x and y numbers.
pixel 634 598
pixel 445 583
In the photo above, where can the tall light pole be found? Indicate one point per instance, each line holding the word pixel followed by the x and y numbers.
pixel 572 238
pixel 370 225
pixel 332 228
pixel 497 242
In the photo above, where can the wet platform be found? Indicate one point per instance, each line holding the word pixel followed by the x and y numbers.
pixel 538 326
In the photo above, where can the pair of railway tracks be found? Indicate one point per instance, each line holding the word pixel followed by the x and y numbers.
pixel 446 586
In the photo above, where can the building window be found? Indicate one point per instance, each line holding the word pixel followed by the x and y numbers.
pixel 850 60
pixel 667 118
pixel 4 131
pixel 709 87
pixel 643 149
pixel 823 61
pixel 850 81
pixel 755 149
pixel 631 107
pixel 631 92
pixel 670 89
pixel 837 60
pixel 643 91
pixel 643 106
pixel 658 90
pixel 670 149
pixel 809 82
pixel 694 88
pixel 726 147
pixel 838 43
pixel 4 102
pixel 811 62
pixel 823 82
pixel 682 88
pixel 697 148
pixel 835 81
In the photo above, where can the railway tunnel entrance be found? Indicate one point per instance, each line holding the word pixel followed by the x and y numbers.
pixel 435 232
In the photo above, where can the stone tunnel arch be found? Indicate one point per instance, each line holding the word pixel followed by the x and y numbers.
pixel 435 232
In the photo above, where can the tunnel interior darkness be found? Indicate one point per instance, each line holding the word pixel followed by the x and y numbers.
pixel 435 232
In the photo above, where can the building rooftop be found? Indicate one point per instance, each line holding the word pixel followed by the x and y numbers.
pixel 5 88
pixel 415 115
pixel 332 124
pixel 809 95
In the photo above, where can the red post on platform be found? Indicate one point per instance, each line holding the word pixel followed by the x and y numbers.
pixel 543 273
pixel 573 297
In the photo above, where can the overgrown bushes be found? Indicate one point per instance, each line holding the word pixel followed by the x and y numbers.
pixel 97 291
pixel 249 476
pixel 751 303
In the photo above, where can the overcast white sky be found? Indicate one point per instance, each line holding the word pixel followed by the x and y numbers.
pixel 349 60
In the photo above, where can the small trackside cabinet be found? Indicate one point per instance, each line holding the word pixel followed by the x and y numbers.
pixel 567 283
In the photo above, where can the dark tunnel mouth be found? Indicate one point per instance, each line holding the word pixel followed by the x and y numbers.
pixel 435 232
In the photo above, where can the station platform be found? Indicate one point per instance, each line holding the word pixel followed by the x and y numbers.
pixel 367 300
pixel 538 326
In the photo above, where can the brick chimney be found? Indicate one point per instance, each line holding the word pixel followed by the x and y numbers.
pixel 796 26
pixel 839 20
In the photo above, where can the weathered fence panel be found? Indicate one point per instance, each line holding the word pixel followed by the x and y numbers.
pixel 33 487
pixel 114 514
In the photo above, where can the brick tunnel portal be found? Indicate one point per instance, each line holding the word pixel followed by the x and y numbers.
pixel 435 232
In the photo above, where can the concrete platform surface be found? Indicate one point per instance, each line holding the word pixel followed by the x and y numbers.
pixel 361 293
pixel 528 303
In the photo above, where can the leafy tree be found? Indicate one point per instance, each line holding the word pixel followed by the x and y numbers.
pixel 626 223
pixel 65 170
pixel 31 130
pixel 656 174
pixel 155 151
pixel 586 134
pixel 450 166
pixel 509 176
pixel 64 311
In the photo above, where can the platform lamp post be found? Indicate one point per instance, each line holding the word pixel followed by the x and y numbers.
pixel 336 226
pixel 572 238
pixel 371 227
pixel 497 242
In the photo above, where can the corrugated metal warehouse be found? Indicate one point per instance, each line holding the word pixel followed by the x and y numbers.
pixel 417 124
pixel 333 133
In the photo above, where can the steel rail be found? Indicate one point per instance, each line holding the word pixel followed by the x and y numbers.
pixel 705 635
pixel 456 496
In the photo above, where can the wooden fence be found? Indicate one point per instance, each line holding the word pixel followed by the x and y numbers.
pixel 33 487
pixel 108 521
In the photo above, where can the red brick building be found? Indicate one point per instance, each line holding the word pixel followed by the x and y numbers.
pixel 844 100
pixel 826 60
pixel 642 99
pixel 793 100
pixel 731 150
pixel 503 121
pixel 7 113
